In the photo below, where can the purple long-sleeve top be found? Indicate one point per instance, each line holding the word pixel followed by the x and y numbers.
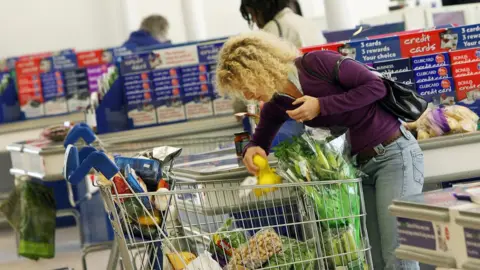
pixel 353 105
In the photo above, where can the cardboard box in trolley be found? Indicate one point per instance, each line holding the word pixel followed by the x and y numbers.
pixel 465 56
pixel 438 92
pixel 468 92
pixel 135 70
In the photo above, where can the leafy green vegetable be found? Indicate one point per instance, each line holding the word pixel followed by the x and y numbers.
pixel 296 255
pixel 225 240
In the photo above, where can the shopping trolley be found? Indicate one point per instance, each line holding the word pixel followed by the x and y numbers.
pixel 279 230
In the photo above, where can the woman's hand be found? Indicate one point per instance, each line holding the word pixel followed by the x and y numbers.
pixel 248 158
pixel 309 109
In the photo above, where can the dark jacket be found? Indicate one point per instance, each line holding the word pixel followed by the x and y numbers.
pixel 139 39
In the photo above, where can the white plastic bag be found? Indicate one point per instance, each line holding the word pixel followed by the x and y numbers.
pixel 204 261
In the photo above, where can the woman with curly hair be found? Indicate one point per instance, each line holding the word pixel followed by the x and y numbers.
pixel 260 66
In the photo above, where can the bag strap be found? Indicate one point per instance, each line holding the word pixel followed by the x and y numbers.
pixel 280 32
pixel 335 75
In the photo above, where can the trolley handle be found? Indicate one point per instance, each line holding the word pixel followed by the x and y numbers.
pixel 80 131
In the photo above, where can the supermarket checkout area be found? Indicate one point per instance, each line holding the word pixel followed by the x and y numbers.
pixel 447 160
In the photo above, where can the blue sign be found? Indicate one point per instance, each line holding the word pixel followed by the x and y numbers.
pixel 208 53
pixel 472 238
pixel 369 51
pixel 462 37
pixel 416 233
pixel 137 63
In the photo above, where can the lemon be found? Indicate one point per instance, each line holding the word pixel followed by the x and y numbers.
pixel 260 162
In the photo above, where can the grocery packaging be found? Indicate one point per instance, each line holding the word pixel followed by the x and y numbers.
pixel 442 121
pixel 315 156
pixel 225 241
pixel 258 250
pixel 147 169
pixel 176 260
pixel 161 201
pixel 296 255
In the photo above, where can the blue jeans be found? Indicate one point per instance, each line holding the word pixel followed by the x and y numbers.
pixel 396 171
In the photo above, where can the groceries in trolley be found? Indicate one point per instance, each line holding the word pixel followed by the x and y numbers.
pixel 439 121
pixel 315 157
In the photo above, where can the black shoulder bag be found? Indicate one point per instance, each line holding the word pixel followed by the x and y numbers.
pixel 401 100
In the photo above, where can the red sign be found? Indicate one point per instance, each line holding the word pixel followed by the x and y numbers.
pixel 422 43
pixel 466 69
pixel 465 56
pixel 326 47
pixel 94 58
pixel 466 84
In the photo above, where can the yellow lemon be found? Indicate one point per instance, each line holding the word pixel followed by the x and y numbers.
pixel 260 162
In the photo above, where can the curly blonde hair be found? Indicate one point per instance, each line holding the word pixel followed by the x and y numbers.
pixel 256 63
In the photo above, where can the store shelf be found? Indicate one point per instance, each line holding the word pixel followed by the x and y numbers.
pixel 451 158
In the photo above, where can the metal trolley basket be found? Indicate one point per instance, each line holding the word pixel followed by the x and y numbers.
pixel 293 236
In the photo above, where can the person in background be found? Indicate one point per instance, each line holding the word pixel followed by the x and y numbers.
pixel 153 31
pixel 262 67
pixel 282 18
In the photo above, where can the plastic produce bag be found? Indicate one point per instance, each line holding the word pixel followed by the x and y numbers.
pixel 296 255
pixel 439 121
pixel 225 241
pixel 30 209
pixel 257 251
pixel 340 246
pixel 318 156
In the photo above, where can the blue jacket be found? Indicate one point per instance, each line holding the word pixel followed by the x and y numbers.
pixel 139 39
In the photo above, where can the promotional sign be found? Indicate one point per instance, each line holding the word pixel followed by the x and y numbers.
pixel 30 95
pixel 430 61
pixel 367 51
pixel 174 57
pixel 472 238
pixel 406 77
pixel 468 92
pixel 168 95
pixel 198 93
pixel 438 92
pixel 424 43
pixel 465 56
pixel 393 66
pixel 432 74
pixel 208 52
pixel 416 233
pixel 54 84
pixel 466 69
pixel 138 90
pixel 95 63
pixel 464 37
